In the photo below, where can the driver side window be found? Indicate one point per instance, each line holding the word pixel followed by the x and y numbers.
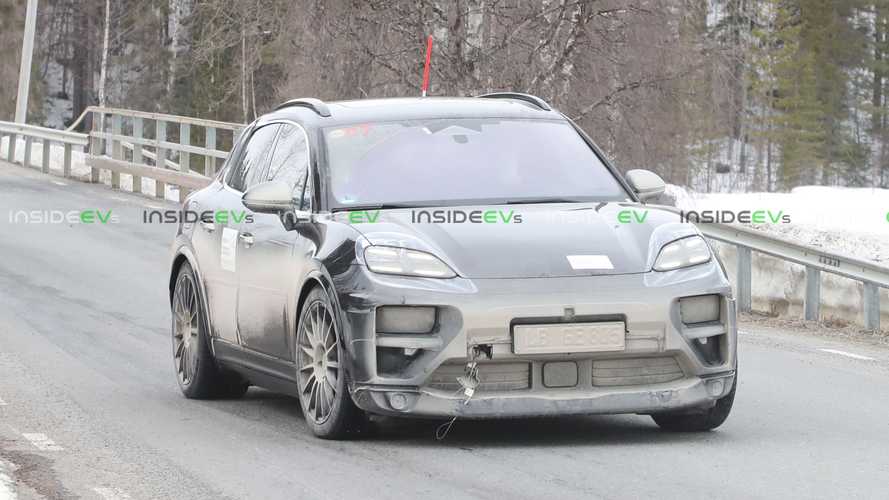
pixel 290 163
pixel 255 159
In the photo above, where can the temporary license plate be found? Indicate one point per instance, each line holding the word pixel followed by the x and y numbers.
pixel 568 338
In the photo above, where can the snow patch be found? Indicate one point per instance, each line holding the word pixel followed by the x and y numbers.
pixel 7 483
pixel 850 221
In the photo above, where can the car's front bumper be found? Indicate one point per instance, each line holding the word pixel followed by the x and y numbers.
pixel 658 370
pixel 691 392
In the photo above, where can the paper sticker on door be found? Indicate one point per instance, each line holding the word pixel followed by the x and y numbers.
pixel 227 250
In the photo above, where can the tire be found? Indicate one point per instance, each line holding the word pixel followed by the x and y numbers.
pixel 700 421
pixel 198 374
pixel 324 396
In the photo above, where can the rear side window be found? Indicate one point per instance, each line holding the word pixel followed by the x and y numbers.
pixel 254 161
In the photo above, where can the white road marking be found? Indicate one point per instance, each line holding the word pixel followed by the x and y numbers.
pixel 57 183
pixel 41 441
pixel 112 493
pixel 2 403
pixel 7 484
pixel 120 198
pixel 847 354
pixel 154 207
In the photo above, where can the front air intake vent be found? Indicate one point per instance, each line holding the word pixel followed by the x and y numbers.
pixel 492 377
pixel 635 371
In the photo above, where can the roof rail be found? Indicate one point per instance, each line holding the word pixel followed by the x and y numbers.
pixel 533 99
pixel 316 105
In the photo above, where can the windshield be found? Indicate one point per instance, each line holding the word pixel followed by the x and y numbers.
pixel 464 161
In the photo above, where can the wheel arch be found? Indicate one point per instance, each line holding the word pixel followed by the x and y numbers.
pixel 182 257
pixel 319 278
pixel 174 273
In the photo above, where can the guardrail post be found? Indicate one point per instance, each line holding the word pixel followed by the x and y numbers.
pixel 812 304
pixel 66 166
pixel 47 145
pixel 184 156
pixel 137 152
pixel 209 160
pixel 26 161
pixel 116 148
pixel 871 306
pixel 13 139
pixel 160 135
pixel 95 145
pixel 745 290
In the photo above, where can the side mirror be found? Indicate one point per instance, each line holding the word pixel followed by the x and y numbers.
pixel 646 184
pixel 269 197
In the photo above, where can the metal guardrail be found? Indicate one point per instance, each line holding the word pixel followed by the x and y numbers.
pixel 136 150
pixel 815 260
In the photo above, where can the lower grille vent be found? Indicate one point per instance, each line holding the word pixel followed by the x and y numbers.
pixel 635 371
pixel 492 377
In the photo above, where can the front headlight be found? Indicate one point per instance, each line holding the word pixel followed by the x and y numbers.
pixel 686 252
pixel 394 260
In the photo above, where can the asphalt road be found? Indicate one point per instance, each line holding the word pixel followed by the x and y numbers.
pixel 89 405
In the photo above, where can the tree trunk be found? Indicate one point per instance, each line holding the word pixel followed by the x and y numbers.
pixel 83 63
pixel 769 163
pixel 103 70
pixel 878 113
pixel 244 72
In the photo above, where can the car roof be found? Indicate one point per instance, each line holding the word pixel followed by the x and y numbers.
pixel 412 108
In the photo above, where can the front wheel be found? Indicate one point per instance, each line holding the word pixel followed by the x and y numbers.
pixel 699 422
pixel 196 371
pixel 323 392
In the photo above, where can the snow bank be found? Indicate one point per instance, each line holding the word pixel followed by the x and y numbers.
pixel 850 221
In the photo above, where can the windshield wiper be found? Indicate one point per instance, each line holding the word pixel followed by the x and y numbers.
pixel 531 201
pixel 373 206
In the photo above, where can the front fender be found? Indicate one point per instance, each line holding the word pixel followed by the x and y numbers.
pixel 182 253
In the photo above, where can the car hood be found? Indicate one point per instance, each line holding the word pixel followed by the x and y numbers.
pixel 529 241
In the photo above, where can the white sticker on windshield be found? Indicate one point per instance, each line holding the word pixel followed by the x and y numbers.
pixel 228 248
pixel 590 262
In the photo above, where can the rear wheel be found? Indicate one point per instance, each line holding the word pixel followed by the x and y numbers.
pixel 323 392
pixel 700 421
pixel 196 371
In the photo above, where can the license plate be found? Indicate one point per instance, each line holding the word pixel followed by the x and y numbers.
pixel 568 338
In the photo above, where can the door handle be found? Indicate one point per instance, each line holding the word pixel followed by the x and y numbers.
pixel 208 226
pixel 247 238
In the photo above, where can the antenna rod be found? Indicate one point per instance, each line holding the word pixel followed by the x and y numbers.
pixel 426 67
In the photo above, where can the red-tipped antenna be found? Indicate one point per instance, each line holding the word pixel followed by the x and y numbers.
pixel 426 67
